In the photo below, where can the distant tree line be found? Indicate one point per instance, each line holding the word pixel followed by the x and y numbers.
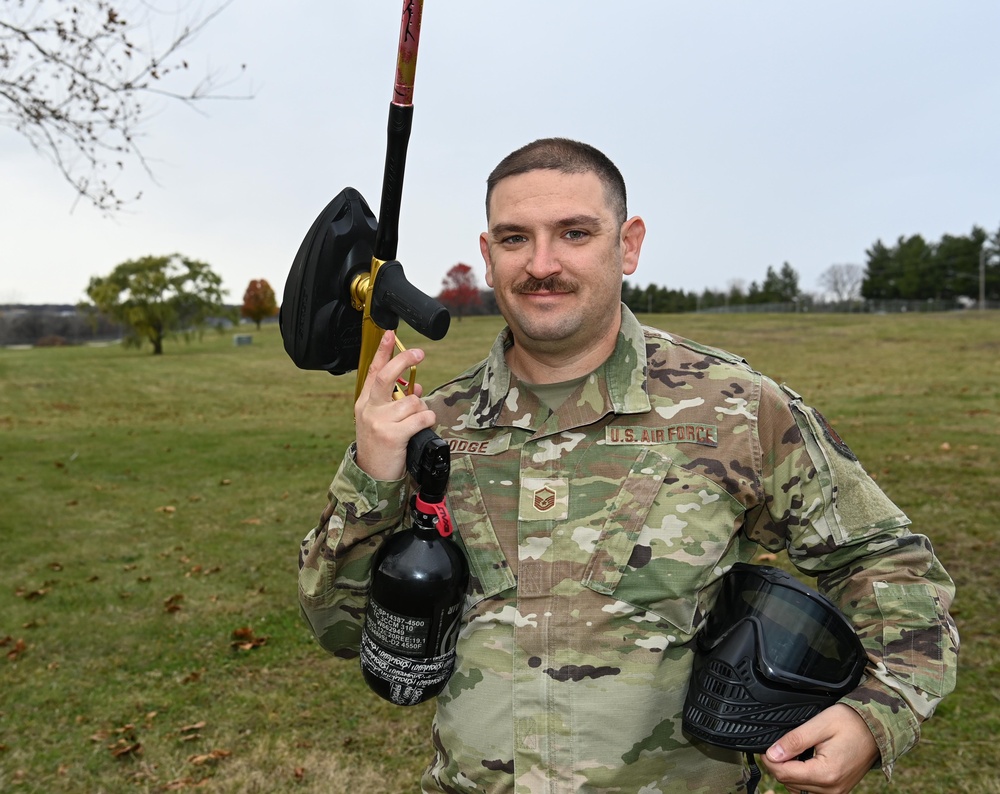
pixel 51 326
pixel 945 273
pixel 946 270
pixel 142 294
pixel 778 286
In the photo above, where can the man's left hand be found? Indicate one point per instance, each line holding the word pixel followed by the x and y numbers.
pixel 843 751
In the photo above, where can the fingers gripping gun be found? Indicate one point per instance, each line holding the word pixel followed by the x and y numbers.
pixel 345 287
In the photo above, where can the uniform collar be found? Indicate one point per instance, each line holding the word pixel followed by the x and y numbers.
pixel 617 386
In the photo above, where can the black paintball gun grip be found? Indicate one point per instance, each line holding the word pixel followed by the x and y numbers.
pixel 393 296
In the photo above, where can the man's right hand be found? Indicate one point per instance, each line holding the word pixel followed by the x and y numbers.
pixel 385 425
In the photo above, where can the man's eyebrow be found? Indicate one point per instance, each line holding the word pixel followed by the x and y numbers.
pixel 572 221
pixel 580 220
pixel 499 229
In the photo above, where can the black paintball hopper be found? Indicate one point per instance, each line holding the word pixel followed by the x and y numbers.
pixel 320 325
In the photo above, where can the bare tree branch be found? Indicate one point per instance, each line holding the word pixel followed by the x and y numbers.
pixel 73 81
pixel 843 281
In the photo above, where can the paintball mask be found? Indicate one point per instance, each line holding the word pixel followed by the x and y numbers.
pixel 772 655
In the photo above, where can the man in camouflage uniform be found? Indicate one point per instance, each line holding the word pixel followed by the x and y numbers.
pixel 604 477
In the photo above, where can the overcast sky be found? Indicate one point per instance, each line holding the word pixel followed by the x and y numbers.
pixel 749 134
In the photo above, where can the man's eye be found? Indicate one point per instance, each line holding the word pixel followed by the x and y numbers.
pixel 576 234
pixel 513 239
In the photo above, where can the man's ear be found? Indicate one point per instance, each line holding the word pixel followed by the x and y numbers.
pixel 633 233
pixel 484 249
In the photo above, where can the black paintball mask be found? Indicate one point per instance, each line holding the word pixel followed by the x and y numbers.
pixel 772 655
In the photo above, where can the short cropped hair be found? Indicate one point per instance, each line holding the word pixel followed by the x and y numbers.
pixel 568 157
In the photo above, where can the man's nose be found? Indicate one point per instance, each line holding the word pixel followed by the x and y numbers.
pixel 544 260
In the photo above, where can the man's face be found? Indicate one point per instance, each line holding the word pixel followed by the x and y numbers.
pixel 555 256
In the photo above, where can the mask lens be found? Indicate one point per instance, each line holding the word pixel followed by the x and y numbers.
pixel 735 602
pixel 801 637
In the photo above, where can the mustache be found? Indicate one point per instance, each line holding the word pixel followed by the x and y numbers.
pixel 550 284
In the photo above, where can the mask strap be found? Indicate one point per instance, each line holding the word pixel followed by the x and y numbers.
pixel 754 774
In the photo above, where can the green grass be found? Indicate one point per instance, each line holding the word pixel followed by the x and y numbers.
pixel 151 506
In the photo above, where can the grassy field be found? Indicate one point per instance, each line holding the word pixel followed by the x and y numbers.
pixel 150 510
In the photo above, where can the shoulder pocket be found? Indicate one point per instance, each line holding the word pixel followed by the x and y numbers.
pixel 854 506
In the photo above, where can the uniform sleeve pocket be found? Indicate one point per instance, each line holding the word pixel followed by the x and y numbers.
pixel 913 640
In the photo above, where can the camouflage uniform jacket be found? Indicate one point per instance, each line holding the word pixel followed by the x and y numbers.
pixel 597 535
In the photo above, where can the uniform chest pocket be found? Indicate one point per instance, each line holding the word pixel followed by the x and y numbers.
pixel 490 573
pixel 665 534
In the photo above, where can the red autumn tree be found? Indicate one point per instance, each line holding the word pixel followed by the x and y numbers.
pixel 259 301
pixel 459 290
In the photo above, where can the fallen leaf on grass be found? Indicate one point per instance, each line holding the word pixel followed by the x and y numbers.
pixel 192 678
pixel 244 639
pixel 203 571
pixel 31 595
pixel 166 509
pixel 125 749
pixel 20 646
pixel 197 726
pixel 185 782
pixel 209 758
pixel 127 745
pixel 173 604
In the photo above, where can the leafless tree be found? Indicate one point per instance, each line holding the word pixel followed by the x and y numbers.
pixel 736 290
pixel 843 281
pixel 75 77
